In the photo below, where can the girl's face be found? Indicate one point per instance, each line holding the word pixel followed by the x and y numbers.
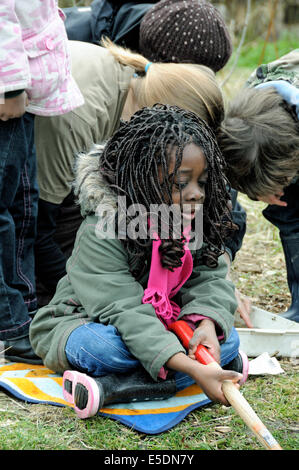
pixel 191 177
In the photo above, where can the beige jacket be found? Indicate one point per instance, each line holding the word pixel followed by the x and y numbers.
pixel 104 83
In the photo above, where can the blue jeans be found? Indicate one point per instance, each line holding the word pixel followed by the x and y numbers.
pixel 18 214
pixel 97 350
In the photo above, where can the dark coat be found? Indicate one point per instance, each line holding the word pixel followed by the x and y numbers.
pixel 114 19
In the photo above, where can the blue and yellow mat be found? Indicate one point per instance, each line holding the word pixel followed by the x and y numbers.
pixel 37 384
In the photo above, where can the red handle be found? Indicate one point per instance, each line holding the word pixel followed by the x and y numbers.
pixel 185 333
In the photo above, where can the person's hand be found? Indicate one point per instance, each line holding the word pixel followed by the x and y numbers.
pixel 273 199
pixel 205 334
pixel 211 380
pixel 13 107
pixel 287 91
pixel 244 308
pixel 244 304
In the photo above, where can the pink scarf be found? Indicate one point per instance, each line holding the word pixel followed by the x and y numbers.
pixel 164 284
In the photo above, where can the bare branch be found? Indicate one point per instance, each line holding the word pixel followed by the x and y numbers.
pixel 247 16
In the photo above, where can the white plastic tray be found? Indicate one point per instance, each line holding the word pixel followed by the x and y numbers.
pixel 271 333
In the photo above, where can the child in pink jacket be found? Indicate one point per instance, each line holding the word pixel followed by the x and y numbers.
pixel 34 79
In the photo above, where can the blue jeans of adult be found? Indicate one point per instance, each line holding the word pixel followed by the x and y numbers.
pixel 98 350
pixel 18 214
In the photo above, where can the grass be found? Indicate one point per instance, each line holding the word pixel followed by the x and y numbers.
pixel 249 60
pixel 252 50
pixel 41 427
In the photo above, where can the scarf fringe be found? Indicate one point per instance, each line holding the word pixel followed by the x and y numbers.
pixel 165 308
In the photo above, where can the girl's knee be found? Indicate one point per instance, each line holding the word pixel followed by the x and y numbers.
pixel 233 338
pixel 99 350
pixel 230 349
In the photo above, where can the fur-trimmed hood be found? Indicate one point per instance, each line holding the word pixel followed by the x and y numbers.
pixel 90 188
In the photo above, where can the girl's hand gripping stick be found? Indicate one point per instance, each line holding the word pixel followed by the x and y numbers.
pixel 230 391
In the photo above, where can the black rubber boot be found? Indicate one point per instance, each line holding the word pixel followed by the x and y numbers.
pixel 291 253
pixel 125 388
pixel 236 364
pixel 90 394
pixel 19 349
pixel 239 364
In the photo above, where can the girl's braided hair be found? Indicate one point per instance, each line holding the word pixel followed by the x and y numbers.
pixel 138 154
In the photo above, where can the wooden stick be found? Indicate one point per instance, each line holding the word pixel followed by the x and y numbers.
pixel 230 390
pixel 248 415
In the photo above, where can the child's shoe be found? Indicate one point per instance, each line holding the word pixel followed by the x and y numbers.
pixel 239 364
pixel 69 381
pixel 90 394
pixel 20 350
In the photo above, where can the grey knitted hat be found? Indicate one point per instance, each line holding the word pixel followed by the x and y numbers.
pixel 185 31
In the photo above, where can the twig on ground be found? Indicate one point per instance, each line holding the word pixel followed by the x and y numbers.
pixel 211 421
pixel 19 404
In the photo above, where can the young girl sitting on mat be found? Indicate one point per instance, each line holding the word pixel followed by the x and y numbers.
pixel 106 327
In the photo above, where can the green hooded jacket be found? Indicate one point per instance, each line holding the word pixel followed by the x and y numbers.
pixel 99 287
pixel 104 84
pixel 285 68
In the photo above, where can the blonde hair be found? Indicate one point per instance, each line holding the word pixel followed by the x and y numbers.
pixel 190 86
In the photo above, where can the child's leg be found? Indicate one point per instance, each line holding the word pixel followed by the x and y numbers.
pixel 18 211
pixel 24 212
pixel 286 219
pixel 98 350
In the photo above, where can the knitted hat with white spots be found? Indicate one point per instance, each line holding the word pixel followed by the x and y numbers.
pixel 185 31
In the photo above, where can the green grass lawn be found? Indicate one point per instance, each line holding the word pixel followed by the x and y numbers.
pixel 213 427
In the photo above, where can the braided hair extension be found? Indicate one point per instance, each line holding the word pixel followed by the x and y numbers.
pixel 138 154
